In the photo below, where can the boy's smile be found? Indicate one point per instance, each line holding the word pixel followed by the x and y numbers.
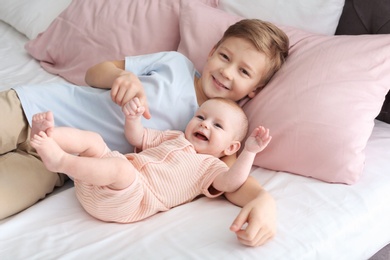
pixel 218 84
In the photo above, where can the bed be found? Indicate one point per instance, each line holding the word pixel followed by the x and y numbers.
pixel 322 213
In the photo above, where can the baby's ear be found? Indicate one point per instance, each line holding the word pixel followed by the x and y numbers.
pixel 232 148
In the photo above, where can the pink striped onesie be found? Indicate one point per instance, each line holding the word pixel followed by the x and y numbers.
pixel 171 173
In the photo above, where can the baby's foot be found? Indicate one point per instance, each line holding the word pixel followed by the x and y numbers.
pixel 42 122
pixel 49 151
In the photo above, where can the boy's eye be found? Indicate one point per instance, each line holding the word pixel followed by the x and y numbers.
pixel 245 72
pixel 224 56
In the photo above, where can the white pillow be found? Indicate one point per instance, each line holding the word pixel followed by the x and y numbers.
pixel 317 16
pixel 31 17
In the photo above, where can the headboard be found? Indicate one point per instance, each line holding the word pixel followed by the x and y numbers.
pixel 367 17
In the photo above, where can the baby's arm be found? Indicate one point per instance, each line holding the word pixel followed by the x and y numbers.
pixel 134 130
pixel 124 85
pixel 239 171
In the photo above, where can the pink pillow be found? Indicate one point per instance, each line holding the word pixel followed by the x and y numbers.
pixel 320 107
pixel 91 31
pixel 195 41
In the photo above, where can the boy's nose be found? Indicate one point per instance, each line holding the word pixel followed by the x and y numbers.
pixel 226 72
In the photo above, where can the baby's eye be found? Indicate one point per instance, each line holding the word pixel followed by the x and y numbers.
pixel 218 126
pixel 200 117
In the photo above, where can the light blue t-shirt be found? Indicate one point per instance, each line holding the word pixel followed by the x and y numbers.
pixel 168 80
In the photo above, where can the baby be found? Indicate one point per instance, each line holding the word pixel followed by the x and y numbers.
pixel 173 167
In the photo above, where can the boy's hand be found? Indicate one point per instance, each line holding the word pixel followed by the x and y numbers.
pixel 126 87
pixel 260 217
pixel 258 140
pixel 133 109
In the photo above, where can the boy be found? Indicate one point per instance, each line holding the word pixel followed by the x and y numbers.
pixel 24 179
pixel 173 167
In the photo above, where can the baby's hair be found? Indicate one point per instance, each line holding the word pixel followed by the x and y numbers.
pixel 266 38
pixel 244 123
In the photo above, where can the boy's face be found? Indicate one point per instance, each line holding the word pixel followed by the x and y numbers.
pixel 213 129
pixel 233 70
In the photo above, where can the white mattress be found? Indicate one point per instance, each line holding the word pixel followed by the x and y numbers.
pixel 316 220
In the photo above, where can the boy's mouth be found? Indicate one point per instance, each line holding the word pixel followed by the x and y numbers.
pixel 219 84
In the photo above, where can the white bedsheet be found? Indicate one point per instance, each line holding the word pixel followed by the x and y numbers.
pixel 16 65
pixel 316 220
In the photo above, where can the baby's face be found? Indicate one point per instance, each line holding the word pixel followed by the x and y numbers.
pixel 233 70
pixel 213 128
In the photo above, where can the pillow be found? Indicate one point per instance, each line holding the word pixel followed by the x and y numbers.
pixel 31 17
pixel 320 107
pixel 193 42
pixel 318 16
pixel 92 31
pixel 367 17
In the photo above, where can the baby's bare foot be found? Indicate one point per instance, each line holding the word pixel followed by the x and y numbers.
pixel 42 122
pixel 49 151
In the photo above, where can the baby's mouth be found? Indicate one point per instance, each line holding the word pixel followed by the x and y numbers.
pixel 201 136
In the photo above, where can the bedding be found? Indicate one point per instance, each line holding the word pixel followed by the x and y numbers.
pixel 71 45
pixel 316 219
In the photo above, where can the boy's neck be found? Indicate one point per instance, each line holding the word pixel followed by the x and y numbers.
pixel 200 96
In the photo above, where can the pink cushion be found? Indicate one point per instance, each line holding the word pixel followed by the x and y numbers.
pixel 193 21
pixel 88 32
pixel 320 107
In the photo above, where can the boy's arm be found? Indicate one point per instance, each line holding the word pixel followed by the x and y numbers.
pixel 134 130
pixel 258 212
pixel 229 159
pixel 103 75
pixel 124 85
pixel 232 179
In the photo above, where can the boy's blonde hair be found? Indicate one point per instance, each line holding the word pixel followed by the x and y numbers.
pixel 267 38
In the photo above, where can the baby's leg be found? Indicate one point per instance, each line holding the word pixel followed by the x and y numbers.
pixel 71 140
pixel 42 122
pixel 50 152
pixel 117 173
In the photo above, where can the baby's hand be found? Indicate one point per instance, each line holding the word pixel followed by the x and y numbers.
pixel 133 109
pixel 258 140
pixel 126 87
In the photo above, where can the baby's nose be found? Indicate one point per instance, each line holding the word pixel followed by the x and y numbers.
pixel 204 124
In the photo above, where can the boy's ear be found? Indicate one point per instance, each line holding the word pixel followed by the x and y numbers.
pixel 232 148
pixel 254 92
